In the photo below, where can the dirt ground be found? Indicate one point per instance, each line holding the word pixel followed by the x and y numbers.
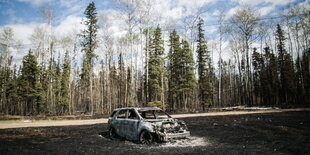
pixel 257 133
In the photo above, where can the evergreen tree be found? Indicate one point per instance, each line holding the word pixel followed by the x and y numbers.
pixel 65 86
pixel 174 69
pixel 269 78
pixel 40 98
pixel 187 80
pixel 305 69
pixel 114 82
pixel 286 69
pixel 12 93
pixel 298 80
pixel 129 102
pixel 204 70
pixel 258 65
pixel 30 90
pixel 122 88
pixel 155 66
pixel 5 74
pixel 45 80
pixel 102 84
pixel 57 87
pixel 265 77
pixel 49 83
pixel 89 44
pixel 273 76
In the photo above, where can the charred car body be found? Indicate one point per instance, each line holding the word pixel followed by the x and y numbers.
pixel 146 125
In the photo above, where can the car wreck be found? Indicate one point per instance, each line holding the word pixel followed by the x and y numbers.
pixel 145 125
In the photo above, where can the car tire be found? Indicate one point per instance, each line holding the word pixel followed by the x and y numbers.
pixel 112 134
pixel 146 137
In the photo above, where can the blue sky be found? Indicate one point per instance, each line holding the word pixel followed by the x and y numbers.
pixel 26 12
pixel 23 15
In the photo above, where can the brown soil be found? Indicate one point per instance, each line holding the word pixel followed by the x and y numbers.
pixel 257 133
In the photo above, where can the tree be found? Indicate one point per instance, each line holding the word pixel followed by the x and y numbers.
pixel 286 69
pixel 174 69
pixel 31 90
pixel 6 41
pixel 269 79
pixel 203 61
pixel 242 29
pixel 113 80
pixel 122 87
pixel 129 101
pixel 306 75
pixel 65 86
pixel 5 79
pixel 11 93
pixel 258 65
pixel 89 44
pixel 148 32
pixel 181 77
pixel 188 80
pixel 155 67
pixel 220 17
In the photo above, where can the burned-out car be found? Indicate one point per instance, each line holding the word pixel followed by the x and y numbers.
pixel 145 125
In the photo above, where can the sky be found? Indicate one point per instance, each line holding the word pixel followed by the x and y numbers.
pixel 23 15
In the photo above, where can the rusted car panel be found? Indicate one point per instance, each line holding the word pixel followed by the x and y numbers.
pixel 133 123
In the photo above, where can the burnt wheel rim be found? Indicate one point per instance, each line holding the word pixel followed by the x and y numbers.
pixel 146 138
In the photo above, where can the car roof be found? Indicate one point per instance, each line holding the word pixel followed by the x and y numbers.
pixel 139 108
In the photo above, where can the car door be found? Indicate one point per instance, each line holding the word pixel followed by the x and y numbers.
pixel 120 123
pixel 132 123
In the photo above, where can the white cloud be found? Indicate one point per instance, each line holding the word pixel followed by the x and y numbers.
pixel 75 8
pixel 72 5
pixel 68 3
pixel 257 2
pixel 264 7
pixel 22 32
pixel 279 2
pixel 266 10
pixel 68 25
pixel 36 2
pixel 231 12
pixel 191 7
pixel 268 5
pixel 211 29
pixel 109 22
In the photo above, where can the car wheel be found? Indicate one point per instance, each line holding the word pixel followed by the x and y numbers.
pixel 146 137
pixel 112 134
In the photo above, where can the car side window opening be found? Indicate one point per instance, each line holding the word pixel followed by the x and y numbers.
pixel 132 114
pixel 122 114
pixel 114 112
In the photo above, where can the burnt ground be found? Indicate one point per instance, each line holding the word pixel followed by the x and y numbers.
pixel 269 133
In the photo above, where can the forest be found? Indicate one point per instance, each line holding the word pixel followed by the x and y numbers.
pixel 260 61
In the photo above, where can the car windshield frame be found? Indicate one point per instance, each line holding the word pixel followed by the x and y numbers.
pixel 153 114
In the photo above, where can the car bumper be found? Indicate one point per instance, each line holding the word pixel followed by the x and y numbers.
pixel 169 136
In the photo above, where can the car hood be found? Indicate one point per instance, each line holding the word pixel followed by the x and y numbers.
pixel 170 123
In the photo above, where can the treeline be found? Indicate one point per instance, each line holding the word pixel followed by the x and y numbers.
pixel 180 77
